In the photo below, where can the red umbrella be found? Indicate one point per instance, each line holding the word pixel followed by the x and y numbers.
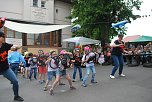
pixel 130 38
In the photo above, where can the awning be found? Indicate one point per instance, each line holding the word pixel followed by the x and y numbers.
pixel 130 38
pixel 143 39
pixel 32 28
pixel 82 40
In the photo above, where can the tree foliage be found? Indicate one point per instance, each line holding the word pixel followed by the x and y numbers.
pixel 96 16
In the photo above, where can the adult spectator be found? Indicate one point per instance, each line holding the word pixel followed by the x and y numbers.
pixel 4 67
pixel 117 57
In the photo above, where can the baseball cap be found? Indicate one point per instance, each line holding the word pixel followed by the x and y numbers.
pixel 62 52
pixel 86 48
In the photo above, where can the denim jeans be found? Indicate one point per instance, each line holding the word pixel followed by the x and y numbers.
pixel 9 74
pixel 75 72
pixel 53 73
pixel 118 63
pixel 88 68
pixel 14 67
pixel 31 72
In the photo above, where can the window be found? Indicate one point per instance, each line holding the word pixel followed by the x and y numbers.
pixel 43 39
pixel 35 3
pixel 56 38
pixel 18 35
pixel 43 3
pixel 47 39
pixel 30 39
pixel 38 38
pixel 10 33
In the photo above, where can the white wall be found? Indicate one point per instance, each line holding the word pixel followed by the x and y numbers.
pixel 50 6
pixel 64 10
pixel 11 9
pixel 24 10
pixel 37 13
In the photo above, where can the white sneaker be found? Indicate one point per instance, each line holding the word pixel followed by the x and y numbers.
pixel 112 77
pixel 122 75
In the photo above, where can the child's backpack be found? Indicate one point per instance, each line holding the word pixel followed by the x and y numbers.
pixel 64 62
pixel 91 58
pixel 33 61
pixel 57 60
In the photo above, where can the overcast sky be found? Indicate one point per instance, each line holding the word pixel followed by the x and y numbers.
pixel 143 25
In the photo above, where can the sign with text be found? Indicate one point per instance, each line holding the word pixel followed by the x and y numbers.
pixel 14 41
pixel 39 14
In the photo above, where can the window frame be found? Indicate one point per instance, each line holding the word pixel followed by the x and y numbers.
pixel 35 3
pixel 43 4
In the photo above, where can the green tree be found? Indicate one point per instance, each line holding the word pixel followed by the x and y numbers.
pixel 96 16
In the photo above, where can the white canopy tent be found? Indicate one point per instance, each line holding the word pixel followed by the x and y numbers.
pixel 33 28
pixel 82 40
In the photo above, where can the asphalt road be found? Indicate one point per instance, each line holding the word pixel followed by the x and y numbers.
pixel 135 87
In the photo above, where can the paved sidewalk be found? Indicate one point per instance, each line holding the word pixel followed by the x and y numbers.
pixel 135 87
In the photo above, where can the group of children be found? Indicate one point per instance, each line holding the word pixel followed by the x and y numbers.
pixel 56 66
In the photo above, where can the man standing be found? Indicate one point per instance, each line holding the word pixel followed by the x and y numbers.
pixel 117 57
pixel 4 67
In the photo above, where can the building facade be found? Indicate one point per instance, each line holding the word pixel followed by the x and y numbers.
pixel 41 12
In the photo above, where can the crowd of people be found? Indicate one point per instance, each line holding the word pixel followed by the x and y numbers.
pixel 141 54
pixel 53 65
pixel 56 65
pixel 50 65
